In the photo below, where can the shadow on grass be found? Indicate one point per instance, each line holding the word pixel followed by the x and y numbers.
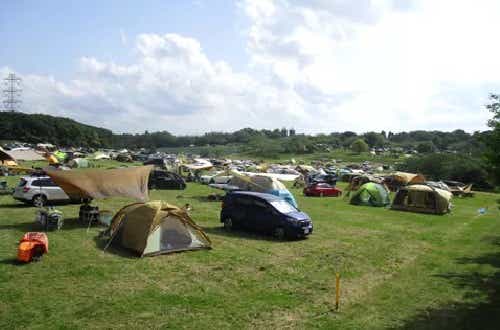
pixel 251 235
pixel 209 198
pixel 484 314
pixel 16 206
pixel 100 244
pixel 69 224
pixel 11 261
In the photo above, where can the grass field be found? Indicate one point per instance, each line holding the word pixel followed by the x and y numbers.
pixel 398 270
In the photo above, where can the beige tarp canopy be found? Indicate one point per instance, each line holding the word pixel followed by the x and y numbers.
pixel 408 178
pixel 6 159
pixel 124 182
pixel 423 199
pixel 155 228
pixel 25 154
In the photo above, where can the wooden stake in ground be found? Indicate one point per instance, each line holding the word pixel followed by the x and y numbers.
pixel 337 291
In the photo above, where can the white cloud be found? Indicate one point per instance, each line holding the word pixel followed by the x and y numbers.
pixel 318 66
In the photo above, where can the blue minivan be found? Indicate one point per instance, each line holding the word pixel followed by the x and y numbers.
pixel 264 213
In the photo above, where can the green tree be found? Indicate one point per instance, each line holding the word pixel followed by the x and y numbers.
pixel 426 147
pixel 359 146
pixel 492 141
pixel 374 139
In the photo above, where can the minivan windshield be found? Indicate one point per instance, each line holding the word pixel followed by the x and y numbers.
pixel 283 207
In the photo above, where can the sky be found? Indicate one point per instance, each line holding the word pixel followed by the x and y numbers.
pixel 318 66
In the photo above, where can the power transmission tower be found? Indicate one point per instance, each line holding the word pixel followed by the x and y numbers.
pixel 12 92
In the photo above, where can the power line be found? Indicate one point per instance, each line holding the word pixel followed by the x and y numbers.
pixel 12 92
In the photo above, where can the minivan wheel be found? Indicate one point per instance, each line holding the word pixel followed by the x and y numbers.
pixel 279 233
pixel 228 224
pixel 39 200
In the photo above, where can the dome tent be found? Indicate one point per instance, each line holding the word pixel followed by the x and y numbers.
pixel 79 163
pixel 263 184
pixel 156 228
pixel 423 199
pixel 371 194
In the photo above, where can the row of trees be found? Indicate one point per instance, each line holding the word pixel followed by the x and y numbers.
pixel 39 128
pixel 66 132
pixel 422 141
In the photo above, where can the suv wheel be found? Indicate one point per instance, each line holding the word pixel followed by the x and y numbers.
pixel 39 200
pixel 228 224
pixel 279 233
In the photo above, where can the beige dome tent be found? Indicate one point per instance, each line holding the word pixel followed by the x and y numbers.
pixel 258 183
pixel 156 228
pixel 399 179
pixel 423 199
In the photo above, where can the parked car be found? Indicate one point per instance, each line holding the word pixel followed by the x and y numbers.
pixel 215 178
pixel 39 191
pixel 264 213
pixel 322 189
pixel 160 179
pixel 158 162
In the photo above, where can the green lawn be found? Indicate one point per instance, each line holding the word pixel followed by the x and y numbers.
pixel 398 270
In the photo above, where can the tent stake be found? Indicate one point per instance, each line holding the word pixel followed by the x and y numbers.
pixel 337 291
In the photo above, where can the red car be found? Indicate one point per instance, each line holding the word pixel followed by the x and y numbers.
pixel 322 189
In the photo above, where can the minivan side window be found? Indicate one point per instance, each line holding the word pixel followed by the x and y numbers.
pixel 242 201
pixel 260 204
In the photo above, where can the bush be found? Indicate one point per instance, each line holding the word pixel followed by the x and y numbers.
pixel 359 146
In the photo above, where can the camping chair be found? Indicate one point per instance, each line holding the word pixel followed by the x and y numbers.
pixel 4 188
pixel 467 191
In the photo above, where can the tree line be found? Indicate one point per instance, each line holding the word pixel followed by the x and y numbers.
pixel 37 128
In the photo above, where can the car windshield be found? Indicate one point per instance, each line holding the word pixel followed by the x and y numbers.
pixel 22 183
pixel 283 207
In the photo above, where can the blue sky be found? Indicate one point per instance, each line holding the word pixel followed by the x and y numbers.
pixel 314 65
pixel 49 37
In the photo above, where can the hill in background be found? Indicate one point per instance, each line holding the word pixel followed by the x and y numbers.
pixel 36 128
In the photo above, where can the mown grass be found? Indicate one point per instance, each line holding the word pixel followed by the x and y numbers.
pixel 398 270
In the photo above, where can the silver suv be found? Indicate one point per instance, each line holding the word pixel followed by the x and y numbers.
pixel 39 191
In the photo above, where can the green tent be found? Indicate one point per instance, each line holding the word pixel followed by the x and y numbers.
pixel 371 194
pixel 61 156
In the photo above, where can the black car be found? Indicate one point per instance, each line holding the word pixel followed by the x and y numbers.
pixel 264 213
pixel 157 162
pixel 160 179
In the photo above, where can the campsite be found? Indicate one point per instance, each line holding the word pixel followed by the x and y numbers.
pixel 250 164
pixel 397 269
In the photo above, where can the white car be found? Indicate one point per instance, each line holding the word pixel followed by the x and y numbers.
pixel 215 178
pixel 39 191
